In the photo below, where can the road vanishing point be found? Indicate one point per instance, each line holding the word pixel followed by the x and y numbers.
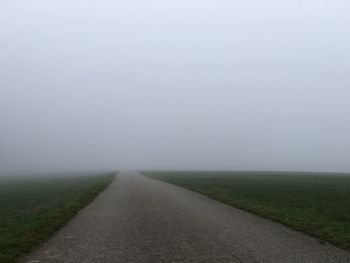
pixel 138 219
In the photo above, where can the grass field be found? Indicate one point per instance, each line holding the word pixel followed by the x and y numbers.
pixel 317 204
pixel 32 209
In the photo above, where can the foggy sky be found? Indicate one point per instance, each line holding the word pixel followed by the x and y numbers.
pixel 198 84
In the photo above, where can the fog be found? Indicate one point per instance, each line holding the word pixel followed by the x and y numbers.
pixel 197 84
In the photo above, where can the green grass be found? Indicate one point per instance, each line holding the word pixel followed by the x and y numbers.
pixel 32 209
pixel 317 204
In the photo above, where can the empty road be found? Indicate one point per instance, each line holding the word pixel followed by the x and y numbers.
pixel 137 219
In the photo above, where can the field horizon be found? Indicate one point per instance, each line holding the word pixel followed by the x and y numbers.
pixel 317 204
pixel 32 209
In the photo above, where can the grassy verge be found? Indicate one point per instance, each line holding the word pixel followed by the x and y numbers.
pixel 317 204
pixel 32 209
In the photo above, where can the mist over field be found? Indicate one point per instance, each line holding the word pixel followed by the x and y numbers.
pixel 218 85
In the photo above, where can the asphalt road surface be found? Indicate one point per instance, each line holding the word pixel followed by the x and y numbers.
pixel 137 219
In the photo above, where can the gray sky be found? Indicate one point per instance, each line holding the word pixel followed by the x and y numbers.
pixel 195 84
